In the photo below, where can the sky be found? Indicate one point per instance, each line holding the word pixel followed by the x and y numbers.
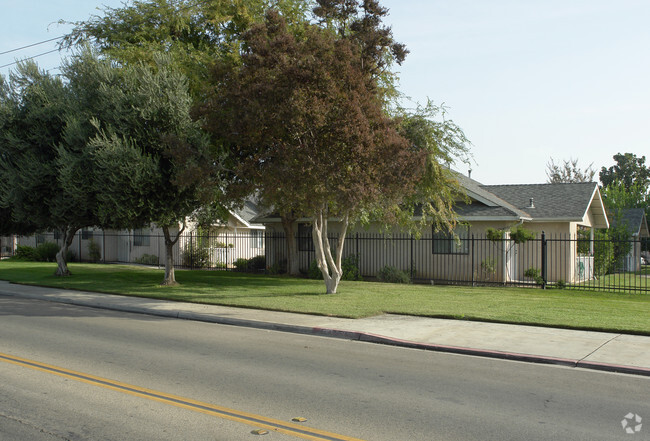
pixel 526 80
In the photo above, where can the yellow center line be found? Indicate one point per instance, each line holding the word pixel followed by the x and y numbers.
pixel 259 421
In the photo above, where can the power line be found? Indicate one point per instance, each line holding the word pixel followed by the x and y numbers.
pixel 31 45
pixel 29 58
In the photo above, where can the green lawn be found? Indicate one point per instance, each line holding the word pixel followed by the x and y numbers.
pixel 628 313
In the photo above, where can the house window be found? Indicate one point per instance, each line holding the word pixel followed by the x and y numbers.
pixel 141 237
pixel 452 243
pixel 257 239
pixel 305 242
pixel 86 234
pixel 40 238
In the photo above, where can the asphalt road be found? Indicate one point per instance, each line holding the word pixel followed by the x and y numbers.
pixel 87 374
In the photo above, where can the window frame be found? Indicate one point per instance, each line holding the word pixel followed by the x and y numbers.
pixel 444 243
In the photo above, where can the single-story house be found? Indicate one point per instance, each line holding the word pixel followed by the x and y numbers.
pixel 636 224
pixel 558 210
pixel 224 242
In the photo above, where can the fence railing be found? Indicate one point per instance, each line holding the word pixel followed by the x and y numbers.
pixel 546 261
pixel 557 261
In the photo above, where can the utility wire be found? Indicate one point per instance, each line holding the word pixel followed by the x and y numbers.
pixel 30 45
pixel 29 58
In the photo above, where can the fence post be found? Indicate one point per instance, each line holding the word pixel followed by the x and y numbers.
pixel 544 262
pixel 191 252
pixel 412 263
pixel 473 268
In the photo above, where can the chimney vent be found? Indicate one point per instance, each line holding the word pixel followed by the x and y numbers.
pixel 532 203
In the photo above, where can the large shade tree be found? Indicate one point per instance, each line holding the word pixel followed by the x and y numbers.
pixel 152 161
pixel 192 33
pixel 308 133
pixel 46 177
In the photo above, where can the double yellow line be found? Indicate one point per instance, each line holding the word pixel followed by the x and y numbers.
pixel 258 421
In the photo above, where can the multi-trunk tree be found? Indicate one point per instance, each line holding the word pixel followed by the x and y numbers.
pixel 306 130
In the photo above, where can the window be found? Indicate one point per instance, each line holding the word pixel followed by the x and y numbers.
pixel 86 234
pixel 257 239
pixel 448 243
pixel 305 242
pixel 140 237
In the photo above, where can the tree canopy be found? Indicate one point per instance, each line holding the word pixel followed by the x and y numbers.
pixel 629 170
pixel 307 132
pixel 568 171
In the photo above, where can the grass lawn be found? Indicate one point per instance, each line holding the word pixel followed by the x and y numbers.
pixel 628 313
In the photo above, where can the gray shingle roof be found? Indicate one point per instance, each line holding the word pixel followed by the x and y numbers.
pixel 551 201
pixel 632 218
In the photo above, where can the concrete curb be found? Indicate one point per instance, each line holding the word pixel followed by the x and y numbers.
pixel 340 334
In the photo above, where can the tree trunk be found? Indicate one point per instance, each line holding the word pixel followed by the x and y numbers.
pixel 293 263
pixel 329 266
pixel 170 276
pixel 61 263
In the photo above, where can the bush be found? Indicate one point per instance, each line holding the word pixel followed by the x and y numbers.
pixel 391 274
pixel 257 263
pixel 314 272
pixel 147 259
pixel 535 274
pixel 94 251
pixel 196 257
pixel 241 264
pixel 46 252
pixel 560 284
pixel 24 252
pixel 350 268
pixel 520 235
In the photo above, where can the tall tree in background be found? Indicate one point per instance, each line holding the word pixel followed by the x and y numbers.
pixel 309 134
pixel 568 172
pixel 629 170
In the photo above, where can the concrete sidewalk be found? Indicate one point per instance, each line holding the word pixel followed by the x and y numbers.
pixel 593 350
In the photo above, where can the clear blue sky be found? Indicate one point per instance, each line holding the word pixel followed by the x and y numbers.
pixel 526 79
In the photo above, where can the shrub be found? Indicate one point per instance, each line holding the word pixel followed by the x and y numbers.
pixel 196 257
pixel 560 284
pixel 147 259
pixel 278 267
pixel 489 267
pixel 257 263
pixel 535 274
pixel 94 251
pixel 314 272
pixel 520 235
pixel 494 234
pixel 25 252
pixel 241 264
pixel 350 268
pixel 46 252
pixel 391 274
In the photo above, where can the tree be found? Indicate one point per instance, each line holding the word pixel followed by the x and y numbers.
pixel 307 131
pixel 153 162
pixel 192 33
pixel 568 172
pixel 46 173
pixel 629 171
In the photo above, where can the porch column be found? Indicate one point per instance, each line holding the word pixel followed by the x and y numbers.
pixel 591 241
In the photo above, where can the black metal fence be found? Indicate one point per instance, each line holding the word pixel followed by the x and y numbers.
pixel 546 261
